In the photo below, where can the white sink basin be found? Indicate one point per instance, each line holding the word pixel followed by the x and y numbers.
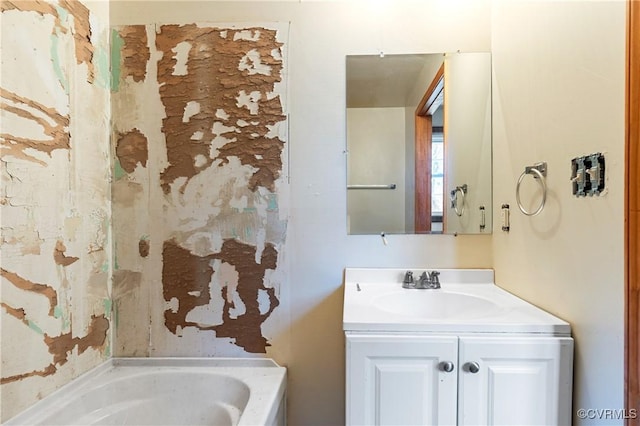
pixel 434 304
pixel 468 302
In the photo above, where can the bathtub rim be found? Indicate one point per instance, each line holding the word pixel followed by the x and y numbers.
pixel 252 413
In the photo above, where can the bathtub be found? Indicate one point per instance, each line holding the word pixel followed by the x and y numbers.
pixel 167 391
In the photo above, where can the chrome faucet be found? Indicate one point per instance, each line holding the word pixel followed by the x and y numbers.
pixel 428 280
pixel 408 282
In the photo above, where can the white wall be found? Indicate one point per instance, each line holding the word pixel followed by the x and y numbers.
pixel 321 35
pixel 558 94
pixel 376 157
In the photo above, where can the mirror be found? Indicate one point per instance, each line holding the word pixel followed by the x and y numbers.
pixel 419 143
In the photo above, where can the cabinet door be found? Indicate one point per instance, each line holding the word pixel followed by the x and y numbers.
pixel 515 381
pixel 401 380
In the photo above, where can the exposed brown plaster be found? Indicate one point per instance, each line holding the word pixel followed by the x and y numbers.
pixel 246 328
pixel 131 149
pixel 61 346
pixel 81 34
pixel 60 258
pixel 186 277
pixel 47 371
pixel 24 284
pixel 143 247
pixel 214 81
pixel 135 52
pixel 54 125
pixel 18 313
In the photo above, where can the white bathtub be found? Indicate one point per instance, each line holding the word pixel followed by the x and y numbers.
pixel 167 391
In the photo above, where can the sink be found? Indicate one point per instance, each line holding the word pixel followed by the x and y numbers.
pixel 469 301
pixel 431 304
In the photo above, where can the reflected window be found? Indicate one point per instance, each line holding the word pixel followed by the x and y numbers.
pixel 437 176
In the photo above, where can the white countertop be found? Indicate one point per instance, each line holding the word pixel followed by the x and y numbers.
pixel 497 311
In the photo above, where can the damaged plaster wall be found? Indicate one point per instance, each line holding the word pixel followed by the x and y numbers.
pixel 200 189
pixel 54 205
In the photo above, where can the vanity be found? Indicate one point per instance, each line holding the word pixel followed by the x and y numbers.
pixel 467 353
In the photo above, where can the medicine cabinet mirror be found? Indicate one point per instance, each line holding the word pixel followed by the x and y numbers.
pixel 419 143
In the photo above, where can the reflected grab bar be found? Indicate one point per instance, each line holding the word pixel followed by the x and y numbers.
pixel 390 186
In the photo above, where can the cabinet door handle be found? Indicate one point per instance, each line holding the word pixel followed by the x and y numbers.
pixel 447 366
pixel 472 367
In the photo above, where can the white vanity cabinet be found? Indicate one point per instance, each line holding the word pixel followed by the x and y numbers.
pixel 418 379
pixel 468 353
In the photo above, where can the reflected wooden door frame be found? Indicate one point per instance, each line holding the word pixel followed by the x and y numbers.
pixel 632 211
pixel 432 99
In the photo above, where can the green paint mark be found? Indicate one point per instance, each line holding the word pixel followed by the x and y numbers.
pixel 101 61
pixel 234 233
pixel 118 171
pixel 62 13
pixel 35 327
pixel 116 48
pixel 107 349
pixel 247 232
pixel 116 317
pixel 55 58
pixel 57 312
pixel 250 210
pixel 108 303
pixel 105 267
pixel 115 257
pixel 272 202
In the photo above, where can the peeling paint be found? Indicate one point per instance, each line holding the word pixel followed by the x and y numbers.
pixel 209 106
pixel 130 43
pixel 24 284
pixel 54 146
pixel 54 126
pixel 81 34
pixel 61 346
pixel 186 279
pixel 81 26
pixel 217 92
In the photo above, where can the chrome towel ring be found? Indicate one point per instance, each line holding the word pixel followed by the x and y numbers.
pixel 539 172
pixel 455 201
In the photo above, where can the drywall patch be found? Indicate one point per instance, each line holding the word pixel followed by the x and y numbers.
pixel 131 149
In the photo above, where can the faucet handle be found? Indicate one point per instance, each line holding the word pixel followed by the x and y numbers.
pixel 433 277
pixel 408 282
